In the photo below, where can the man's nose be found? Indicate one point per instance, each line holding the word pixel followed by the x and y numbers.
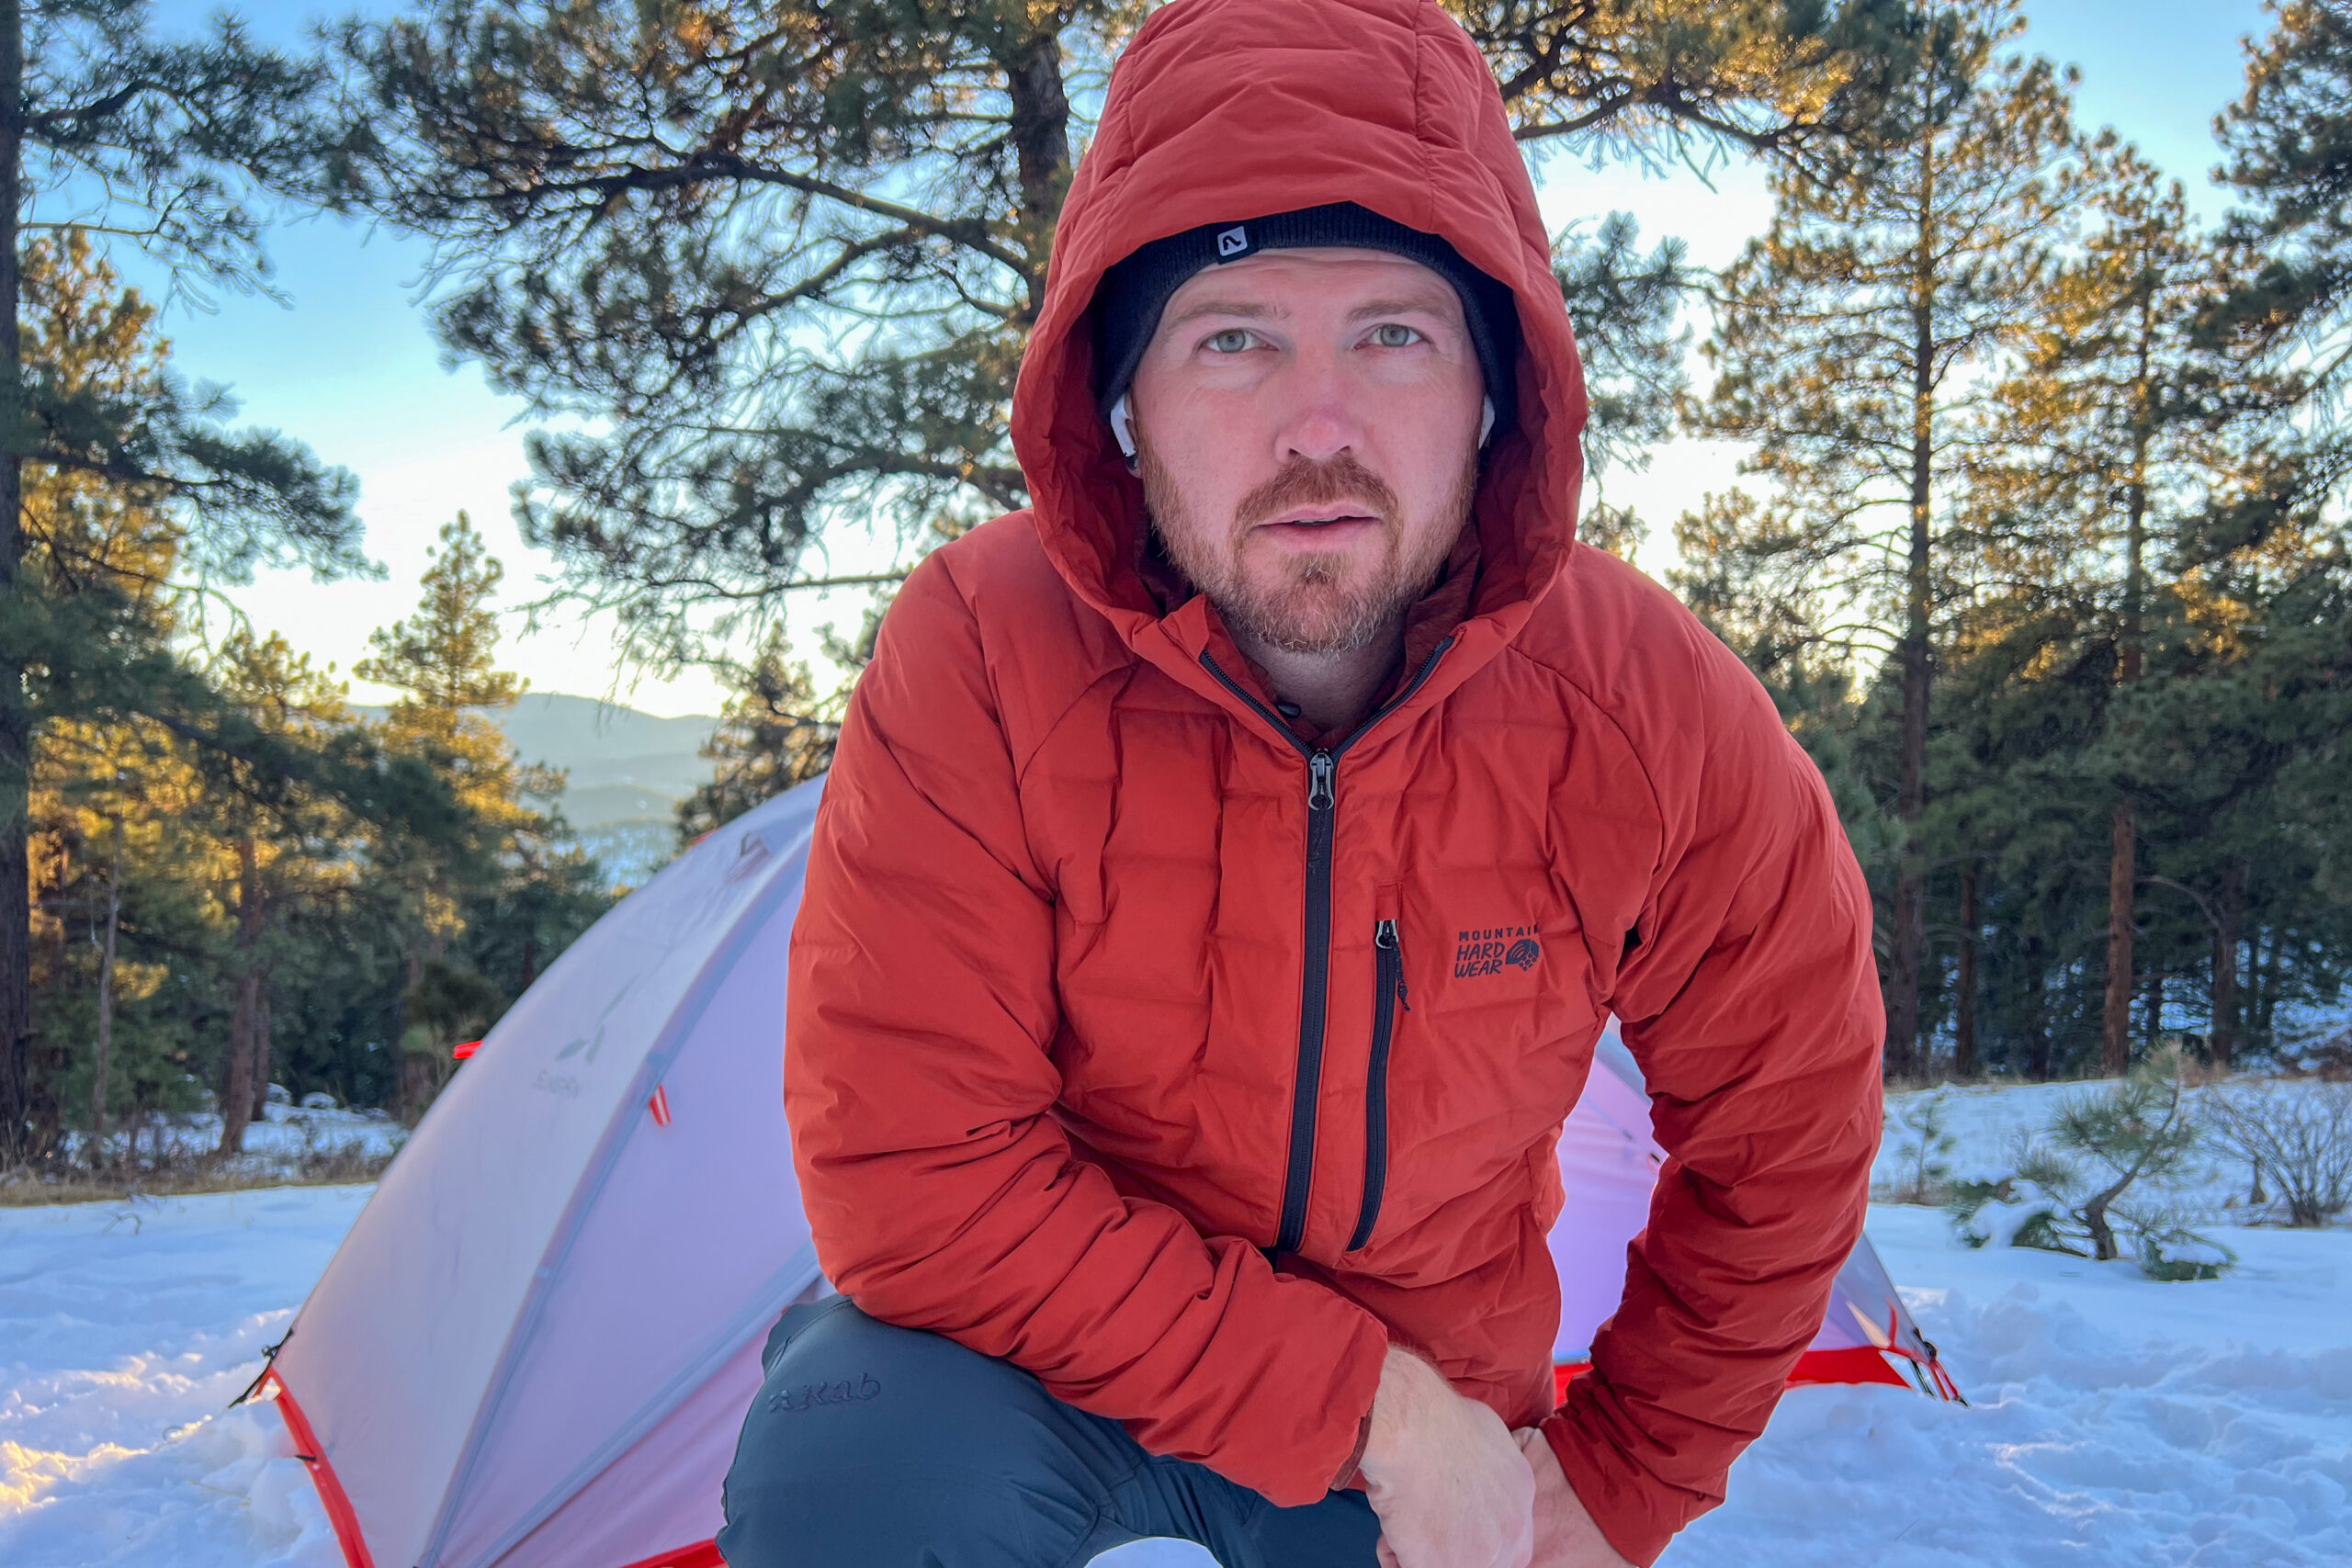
pixel 1320 419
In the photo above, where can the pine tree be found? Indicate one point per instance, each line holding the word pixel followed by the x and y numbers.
pixel 777 730
pixel 445 655
pixel 1854 342
pixel 1627 309
pixel 2120 414
pixel 1686 80
pixel 128 139
pixel 2290 145
pixel 443 660
pixel 119 894
pixel 281 844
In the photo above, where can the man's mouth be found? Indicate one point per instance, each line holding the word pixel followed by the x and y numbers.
pixel 1320 519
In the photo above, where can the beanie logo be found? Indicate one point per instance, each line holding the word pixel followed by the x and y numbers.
pixel 1232 241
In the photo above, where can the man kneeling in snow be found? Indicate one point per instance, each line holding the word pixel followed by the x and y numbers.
pixel 1228 867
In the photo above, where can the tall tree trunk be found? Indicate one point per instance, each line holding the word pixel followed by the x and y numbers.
pixel 2037 1025
pixel 1963 1031
pixel 414 1086
pixel 2222 1042
pixel 1038 127
pixel 2122 875
pixel 237 1093
pixel 101 1069
pixel 261 1051
pixel 15 721
pixel 2263 1008
pixel 1908 941
pixel 2154 1017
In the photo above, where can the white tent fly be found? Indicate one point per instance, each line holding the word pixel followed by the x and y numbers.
pixel 537 1345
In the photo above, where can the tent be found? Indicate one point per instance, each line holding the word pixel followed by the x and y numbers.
pixel 536 1346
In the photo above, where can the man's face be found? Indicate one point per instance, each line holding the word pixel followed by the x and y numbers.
pixel 1306 426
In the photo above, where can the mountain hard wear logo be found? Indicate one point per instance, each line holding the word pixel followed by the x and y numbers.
pixel 1232 241
pixel 1485 951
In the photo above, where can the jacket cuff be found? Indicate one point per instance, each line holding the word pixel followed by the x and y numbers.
pixel 1322 1408
pixel 1626 1505
pixel 1359 1383
pixel 1348 1475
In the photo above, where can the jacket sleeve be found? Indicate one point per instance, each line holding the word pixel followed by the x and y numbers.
pixel 941 1192
pixel 1751 1003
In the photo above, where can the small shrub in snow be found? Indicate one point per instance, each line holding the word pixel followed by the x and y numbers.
pixel 2178 1254
pixel 2015 1214
pixel 1923 1154
pixel 2137 1128
pixel 2106 1151
pixel 2299 1133
pixel 2033 1205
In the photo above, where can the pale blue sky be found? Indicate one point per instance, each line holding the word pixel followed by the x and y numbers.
pixel 350 365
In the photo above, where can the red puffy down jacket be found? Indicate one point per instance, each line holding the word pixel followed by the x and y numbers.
pixel 1106 987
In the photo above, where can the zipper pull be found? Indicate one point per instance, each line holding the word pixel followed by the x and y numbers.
pixel 1320 772
pixel 1384 936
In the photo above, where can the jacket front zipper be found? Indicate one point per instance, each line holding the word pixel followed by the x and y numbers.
pixel 1387 996
pixel 1322 812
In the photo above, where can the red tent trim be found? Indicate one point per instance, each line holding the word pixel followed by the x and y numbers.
pixel 701 1554
pixel 1855 1364
pixel 323 1476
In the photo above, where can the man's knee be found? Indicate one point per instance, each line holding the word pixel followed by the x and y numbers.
pixel 868 1441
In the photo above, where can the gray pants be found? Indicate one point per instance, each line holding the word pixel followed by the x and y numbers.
pixel 875 1447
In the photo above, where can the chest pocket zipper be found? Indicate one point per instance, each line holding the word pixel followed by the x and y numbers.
pixel 1387 1000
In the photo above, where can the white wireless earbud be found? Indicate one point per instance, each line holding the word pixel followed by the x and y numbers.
pixel 1485 421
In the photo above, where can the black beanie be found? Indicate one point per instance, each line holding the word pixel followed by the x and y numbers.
pixel 1128 303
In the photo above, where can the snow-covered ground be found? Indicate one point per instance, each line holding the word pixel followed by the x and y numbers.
pixel 125 1331
pixel 2114 1421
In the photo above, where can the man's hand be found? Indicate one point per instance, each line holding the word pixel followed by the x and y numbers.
pixel 1442 1472
pixel 1565 1536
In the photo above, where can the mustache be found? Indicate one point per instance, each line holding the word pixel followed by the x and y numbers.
pixel 1304 482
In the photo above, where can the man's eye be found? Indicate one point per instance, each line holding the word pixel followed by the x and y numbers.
pixel 1395 335
pixel 1233 340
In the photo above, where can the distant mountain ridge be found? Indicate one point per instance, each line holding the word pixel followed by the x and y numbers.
pixel 603 744
pixel 626 772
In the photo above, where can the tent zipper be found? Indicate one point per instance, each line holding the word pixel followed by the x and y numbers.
pixel 1387 996
pixel 1322 810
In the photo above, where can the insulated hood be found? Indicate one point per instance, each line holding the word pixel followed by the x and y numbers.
pixel 1227 110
